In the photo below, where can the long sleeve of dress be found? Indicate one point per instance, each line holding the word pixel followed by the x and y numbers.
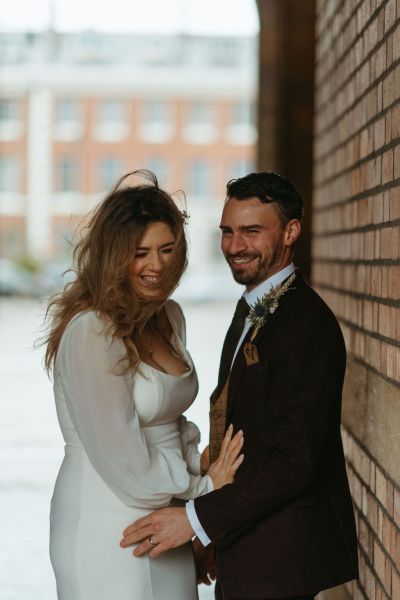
pixel 102 410
pixel 190 436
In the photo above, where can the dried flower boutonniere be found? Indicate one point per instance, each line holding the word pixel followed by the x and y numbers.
pixel 259 314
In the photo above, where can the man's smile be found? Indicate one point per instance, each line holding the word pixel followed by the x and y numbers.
pixel 241 260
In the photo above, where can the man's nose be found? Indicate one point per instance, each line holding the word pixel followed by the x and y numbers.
pixel 237 244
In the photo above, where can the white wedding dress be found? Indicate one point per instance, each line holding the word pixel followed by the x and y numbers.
pixel 128 450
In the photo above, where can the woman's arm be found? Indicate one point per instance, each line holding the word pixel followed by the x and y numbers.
pixel 102 409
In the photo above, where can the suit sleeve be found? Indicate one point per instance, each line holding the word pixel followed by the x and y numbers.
pixel 282 454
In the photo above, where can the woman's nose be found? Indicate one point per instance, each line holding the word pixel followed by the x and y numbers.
pixel 155 263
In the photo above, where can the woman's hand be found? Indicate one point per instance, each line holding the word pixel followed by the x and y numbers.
pixel 223 470
pixel 205 460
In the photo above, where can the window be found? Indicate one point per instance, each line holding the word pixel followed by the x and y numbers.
pixel 9 174
pixel 111 111
pixel 110 170
pixel 240 167
pixel 224 52
pixel 9 109
pixel 199 178
pixel 67 110
pixel 201 113
pixel 67 174
pixel 158 165
pixel 156 125
pixel 243 113
pixel 156 111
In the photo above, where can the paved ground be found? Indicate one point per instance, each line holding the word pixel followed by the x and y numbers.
pixel 31 447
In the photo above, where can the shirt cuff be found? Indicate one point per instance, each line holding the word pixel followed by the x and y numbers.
pixel 195 523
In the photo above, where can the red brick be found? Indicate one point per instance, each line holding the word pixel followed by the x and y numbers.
pixel 381 487
pixel 385 282
pixel 394 203
pixel 386 206
pixel 386 243
pixel 388 577
pixel 389 89
pixel 390 492
pixel 396 507
pixel 373 513
pixel 396 162
pixel 384 320
pixel 396 555
pixel 396 41
pixel 377 208
pixel 395 585
pixel 380 61
pixel 367 315
pixel 390 14
pixel 395 114
pixel 393 282
pixel 387 167
pixel 388 128
pixel 387 530
pixel 363 535
pixel 379 561
pixel 369 583
pixel 372 477
pixel 389 49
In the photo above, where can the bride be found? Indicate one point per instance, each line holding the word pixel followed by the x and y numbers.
pixel 122 379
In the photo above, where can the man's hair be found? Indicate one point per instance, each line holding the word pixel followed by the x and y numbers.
pixel 269 188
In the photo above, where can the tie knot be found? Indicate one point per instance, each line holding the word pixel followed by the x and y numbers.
pixel 242 309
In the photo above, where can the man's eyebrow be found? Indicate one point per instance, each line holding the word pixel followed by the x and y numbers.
pixel 242 227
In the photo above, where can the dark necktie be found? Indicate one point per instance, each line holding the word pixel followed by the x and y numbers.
pixel 231 340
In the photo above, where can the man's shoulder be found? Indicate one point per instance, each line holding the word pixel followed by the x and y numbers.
pixel 305 304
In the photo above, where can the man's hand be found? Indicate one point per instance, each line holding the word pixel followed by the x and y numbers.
pixel 205 563
pixel 159 531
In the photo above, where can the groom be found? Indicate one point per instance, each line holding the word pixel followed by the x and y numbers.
pixel 285 528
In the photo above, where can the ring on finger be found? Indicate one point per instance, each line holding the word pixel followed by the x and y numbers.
pixel 152 542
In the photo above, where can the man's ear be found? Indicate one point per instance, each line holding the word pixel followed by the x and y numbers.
pixel 292 232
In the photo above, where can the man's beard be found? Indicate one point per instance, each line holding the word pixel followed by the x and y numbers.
pixel 261 270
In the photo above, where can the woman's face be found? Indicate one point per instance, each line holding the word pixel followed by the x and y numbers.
pixel 154 251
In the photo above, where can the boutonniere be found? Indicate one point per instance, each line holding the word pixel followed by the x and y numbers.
pixel 259 313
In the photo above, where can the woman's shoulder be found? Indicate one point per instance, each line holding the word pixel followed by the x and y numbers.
pixel 84 322
pixel 175 316
pixel 173 307
pixel 174 312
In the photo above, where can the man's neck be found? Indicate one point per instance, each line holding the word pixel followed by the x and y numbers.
pixel 274 271
pixel 267 284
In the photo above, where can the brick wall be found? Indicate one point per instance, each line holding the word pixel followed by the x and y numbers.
pixel 355 259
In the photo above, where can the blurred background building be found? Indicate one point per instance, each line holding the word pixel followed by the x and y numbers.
pixel 327 115
pixel 78 110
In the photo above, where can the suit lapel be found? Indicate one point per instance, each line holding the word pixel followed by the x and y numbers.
pixel 239 366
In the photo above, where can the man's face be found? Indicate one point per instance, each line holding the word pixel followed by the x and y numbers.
pixel 254 241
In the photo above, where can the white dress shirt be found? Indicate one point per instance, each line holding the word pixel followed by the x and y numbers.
pixel 251 298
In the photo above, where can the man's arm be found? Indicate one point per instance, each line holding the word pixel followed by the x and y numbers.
pixel 283 455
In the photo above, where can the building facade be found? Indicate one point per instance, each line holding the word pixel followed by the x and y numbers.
pixel 77 111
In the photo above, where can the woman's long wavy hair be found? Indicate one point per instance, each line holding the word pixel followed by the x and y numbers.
pixel 102 258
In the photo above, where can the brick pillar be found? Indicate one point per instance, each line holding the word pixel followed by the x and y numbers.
pixel 355 254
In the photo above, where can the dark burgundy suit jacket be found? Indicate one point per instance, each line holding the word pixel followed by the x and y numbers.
pixel 286 526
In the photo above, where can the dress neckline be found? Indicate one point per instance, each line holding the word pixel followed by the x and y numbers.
pixel 182 348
